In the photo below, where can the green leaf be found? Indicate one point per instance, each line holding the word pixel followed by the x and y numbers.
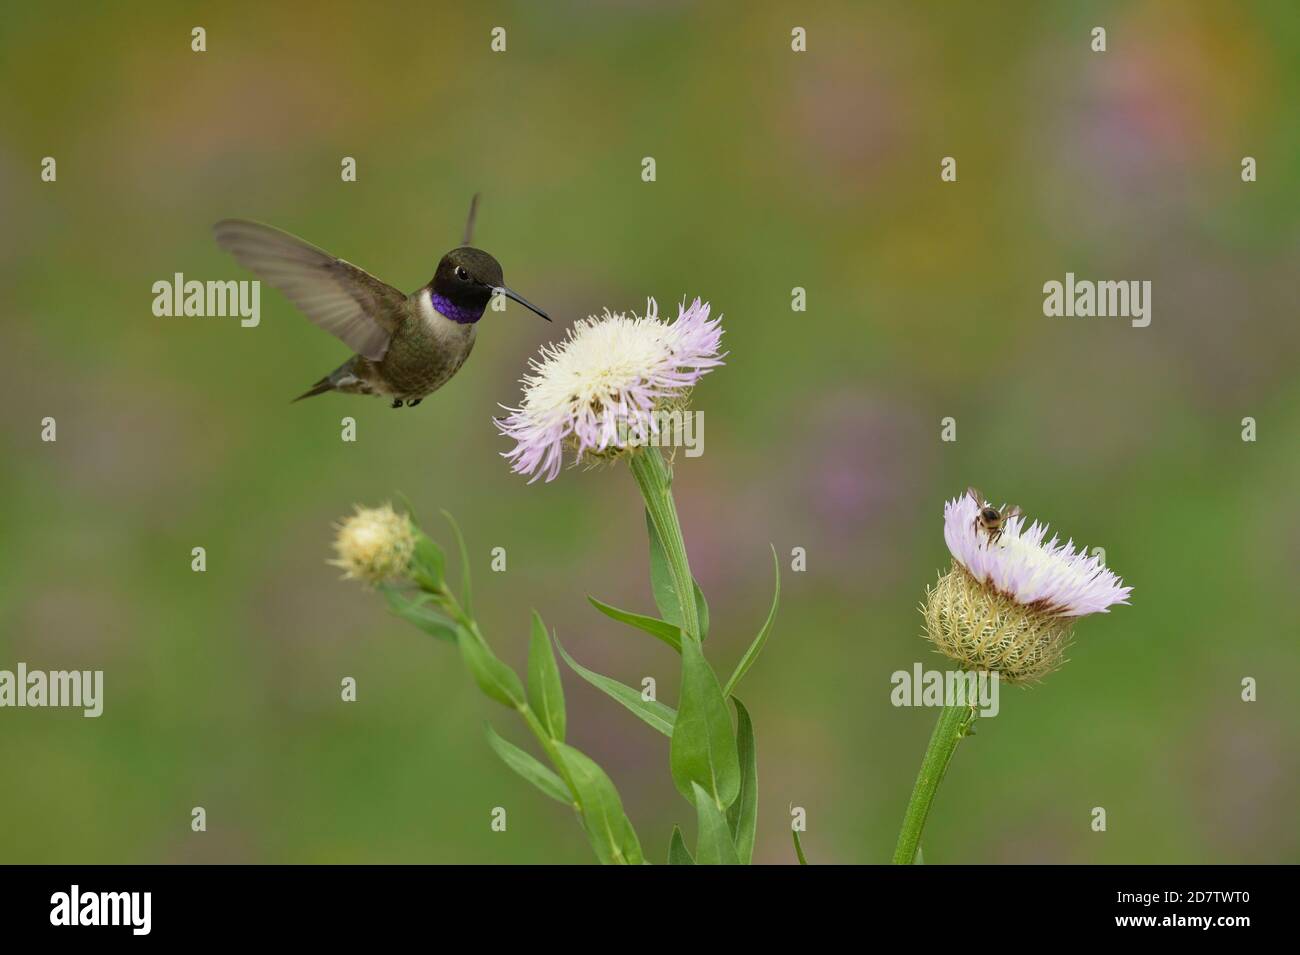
pixel 756 647
pixel 661 581
pixel 545 692
pixel 798 848
pixel 658 715
pixel 466 600
pixel 408 506
pixel 703 749
pixel 611 833
pixel 742 815
pixel 713 845
pixel 665 592
pixel 428 565
pixel 662 629
pixel 529 768
pixel 492 676
pixel 701 610
pixel 678 854
pixel 416 610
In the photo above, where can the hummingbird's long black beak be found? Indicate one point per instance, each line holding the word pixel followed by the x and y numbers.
pixel 509 293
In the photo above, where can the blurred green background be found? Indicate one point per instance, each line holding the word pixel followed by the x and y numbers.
pixel 775 170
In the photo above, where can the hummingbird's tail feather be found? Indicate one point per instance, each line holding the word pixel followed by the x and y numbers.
pixel 349 378
pixel 469 222
pixel 322 386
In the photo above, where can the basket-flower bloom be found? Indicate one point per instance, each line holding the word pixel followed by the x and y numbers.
pixel 616 386
pixel 1010 601
pixel 597 391
pixel 1020 565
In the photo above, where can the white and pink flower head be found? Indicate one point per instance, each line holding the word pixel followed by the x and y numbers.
pixel 597 390
pixel 1018 563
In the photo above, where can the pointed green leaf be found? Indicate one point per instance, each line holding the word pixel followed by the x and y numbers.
pixel 701 609
pixel 756 647
pixel 678 854
pixel 528 767
pixel 703 749
pixel 665 631
pixel 428 565
pixel 661 580
pixel 611 833
pixel 742 815
pixel 466 600
pixel 407 506
pixel 663 588
pixel 545 692
pixel 417 610
pixel 493 677
pixel 713 844
pixel 798 848
pixel 658 715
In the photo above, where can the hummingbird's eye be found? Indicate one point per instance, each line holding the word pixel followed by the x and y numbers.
pixel 461 273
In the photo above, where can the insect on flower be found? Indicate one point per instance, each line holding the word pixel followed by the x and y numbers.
pixel 990 519
pixel 1011 608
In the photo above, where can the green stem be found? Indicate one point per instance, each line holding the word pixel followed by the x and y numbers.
pixel 652 477
pixel 548 742
pixel 954 723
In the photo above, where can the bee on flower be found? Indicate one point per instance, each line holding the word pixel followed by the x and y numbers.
pixel 1011 599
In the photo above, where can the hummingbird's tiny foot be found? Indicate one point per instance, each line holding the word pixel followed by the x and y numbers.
pixel 413 402
pixel 397 403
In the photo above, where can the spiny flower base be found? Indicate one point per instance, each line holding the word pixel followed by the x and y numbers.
pixel 982 629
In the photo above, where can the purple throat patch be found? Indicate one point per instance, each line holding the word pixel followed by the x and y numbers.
pixel 460 314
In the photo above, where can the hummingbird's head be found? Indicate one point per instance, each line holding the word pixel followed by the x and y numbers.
pixel 465 282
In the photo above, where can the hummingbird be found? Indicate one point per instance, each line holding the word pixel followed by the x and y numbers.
pixel 407 346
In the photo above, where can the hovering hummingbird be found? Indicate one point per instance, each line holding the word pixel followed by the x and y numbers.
pixel 407 346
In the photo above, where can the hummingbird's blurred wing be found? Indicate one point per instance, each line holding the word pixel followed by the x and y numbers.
pixel 339 297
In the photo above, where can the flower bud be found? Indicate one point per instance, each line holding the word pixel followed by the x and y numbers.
pixel 374 544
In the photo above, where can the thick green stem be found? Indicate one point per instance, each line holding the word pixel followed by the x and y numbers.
pixel 954 723
pixel 652 477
